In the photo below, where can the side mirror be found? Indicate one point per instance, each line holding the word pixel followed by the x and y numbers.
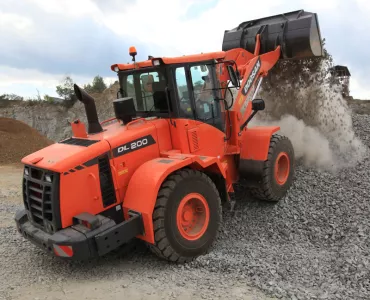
pixel 258 104
pixel 233 77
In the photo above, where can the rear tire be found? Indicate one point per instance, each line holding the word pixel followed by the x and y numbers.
pixel 186 217
pixel 278 170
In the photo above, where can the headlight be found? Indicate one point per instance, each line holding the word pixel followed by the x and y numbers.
pixel 48 178
pixel 116 69
pixel 156 62
pixel 26 171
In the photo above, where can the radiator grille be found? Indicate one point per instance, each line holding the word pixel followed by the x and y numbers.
pixel 41 198
pixel 78 142
pixel 106 182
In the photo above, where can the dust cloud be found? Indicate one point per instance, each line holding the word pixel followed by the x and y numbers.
pixel 307 103
pixel 308 142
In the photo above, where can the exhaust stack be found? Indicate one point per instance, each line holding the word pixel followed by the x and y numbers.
pixel 297 33
pixel 90 108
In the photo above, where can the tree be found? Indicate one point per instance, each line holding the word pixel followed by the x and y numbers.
pixel 88 88
pixel 10 97
pixel 65 89
pixel 98 84
pixel 48 99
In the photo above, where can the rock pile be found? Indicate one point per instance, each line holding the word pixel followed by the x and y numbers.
pixel 17 140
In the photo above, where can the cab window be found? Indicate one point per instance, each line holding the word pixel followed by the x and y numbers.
pixel 183 93
pixel 146 82
pixel 147 88
pixel 204 92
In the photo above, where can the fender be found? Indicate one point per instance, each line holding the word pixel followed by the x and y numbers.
pixel 254 152
pixel 256 142
pixel 142 191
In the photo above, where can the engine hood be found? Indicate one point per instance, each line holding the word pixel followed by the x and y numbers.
pixel 61 157
pixel 116 140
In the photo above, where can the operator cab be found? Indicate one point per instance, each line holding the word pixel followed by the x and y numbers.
pixel 173 90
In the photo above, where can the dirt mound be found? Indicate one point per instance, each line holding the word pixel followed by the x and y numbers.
pixel 17 140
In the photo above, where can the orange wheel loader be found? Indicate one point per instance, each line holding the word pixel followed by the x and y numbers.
pixel 160 169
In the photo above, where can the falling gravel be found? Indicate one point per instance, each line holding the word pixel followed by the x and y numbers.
pixel 306 101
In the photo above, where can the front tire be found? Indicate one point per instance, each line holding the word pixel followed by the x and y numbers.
pixel 278 170
pixel 186 217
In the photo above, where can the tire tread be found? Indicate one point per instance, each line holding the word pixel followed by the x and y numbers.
pixel 264 191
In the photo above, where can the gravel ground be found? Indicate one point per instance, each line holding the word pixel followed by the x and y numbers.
pixel 314 244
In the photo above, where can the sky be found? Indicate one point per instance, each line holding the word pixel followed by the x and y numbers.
pixel 42 41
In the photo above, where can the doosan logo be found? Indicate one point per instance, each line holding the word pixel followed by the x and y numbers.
pixel 134 145
pixel 251 78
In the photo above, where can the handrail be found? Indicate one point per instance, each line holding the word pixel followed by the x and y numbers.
pixel 106 121
pixel 134 122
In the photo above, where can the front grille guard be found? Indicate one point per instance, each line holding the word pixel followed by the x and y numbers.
pixel 41 198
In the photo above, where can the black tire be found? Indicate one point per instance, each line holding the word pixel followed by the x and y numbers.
pixel 169 242
pixel 270 189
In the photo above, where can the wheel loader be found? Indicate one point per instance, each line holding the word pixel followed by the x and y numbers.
pixel 161 167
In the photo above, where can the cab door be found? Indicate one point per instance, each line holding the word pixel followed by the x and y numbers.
pixel 204 91
pixel 196 91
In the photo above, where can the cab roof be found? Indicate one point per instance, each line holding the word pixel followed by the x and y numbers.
pixel 171 60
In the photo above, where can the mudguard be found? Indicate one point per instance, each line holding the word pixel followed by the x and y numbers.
pixel 256 142
pixel 142 191
pixel 254 152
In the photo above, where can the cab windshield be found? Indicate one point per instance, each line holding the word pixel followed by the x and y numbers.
pixel 147 88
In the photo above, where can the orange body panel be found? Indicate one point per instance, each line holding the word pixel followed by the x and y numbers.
pixel 210 140
pixel 195 137
pixel 164 136
pixel 256 142
pixel 75 198
pixel 126 165
pixel 141 64
pixel 194 58
pixel 173 60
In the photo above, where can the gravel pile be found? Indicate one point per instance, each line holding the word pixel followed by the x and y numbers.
pixel 18 140
pixel 314 244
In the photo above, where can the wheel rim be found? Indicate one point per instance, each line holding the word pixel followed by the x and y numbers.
pixel 192 216
pixel 282 168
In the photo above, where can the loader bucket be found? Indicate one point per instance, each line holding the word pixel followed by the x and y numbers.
pixel 297 33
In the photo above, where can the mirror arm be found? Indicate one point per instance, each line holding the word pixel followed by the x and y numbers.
pixel 248 120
